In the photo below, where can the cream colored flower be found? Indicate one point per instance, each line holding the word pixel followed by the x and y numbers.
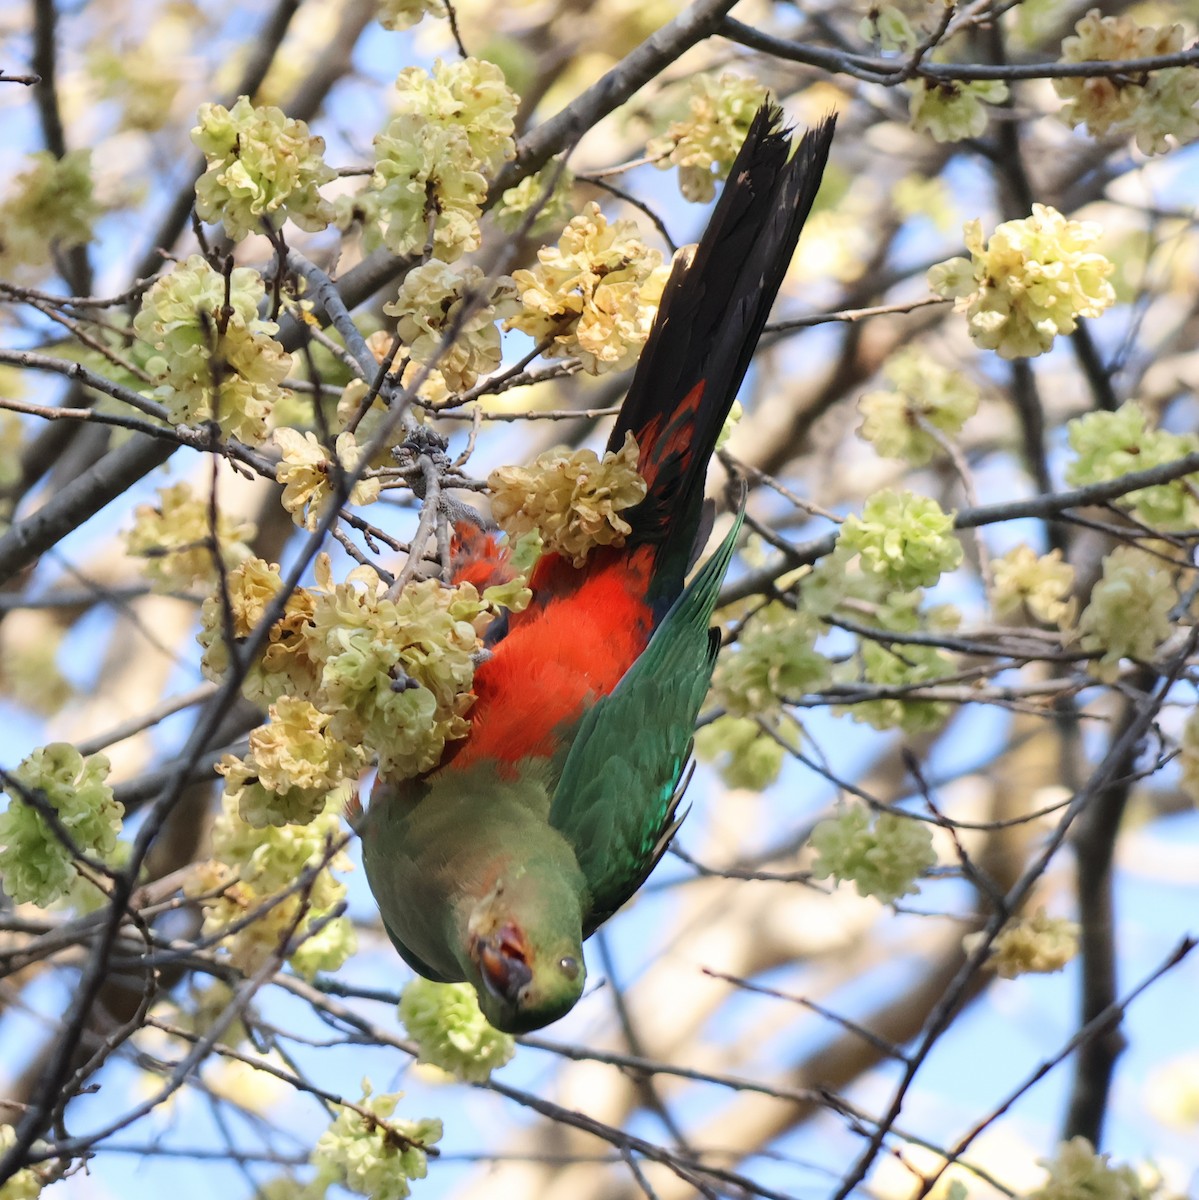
pixel 468 93
pixel 924 394
pixel 453 128
pixel 951 110
pixel 292 767
pixel 214 358
pixel 572 498
pixel 284 667
pixel 594 295
pixel 175 539
pixel 403 14
pixel 889 27
pixel 50 203
pixel 1031 281
pixel 1129 611
pixel 704 144
pixel 263 168
pixel 306 468
pixel 429 307
pixel 1152 106
pixel 252 865
pixel 396 675
pixel 1042 585
pixel 1036 945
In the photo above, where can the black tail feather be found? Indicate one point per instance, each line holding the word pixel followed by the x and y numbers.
pixel 712 313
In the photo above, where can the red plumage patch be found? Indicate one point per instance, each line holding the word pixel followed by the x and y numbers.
pixel 476 556
pixel 667 435
pixel 557 657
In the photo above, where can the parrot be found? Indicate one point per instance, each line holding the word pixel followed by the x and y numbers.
pixel 533 829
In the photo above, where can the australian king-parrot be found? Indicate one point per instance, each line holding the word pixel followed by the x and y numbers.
pixel 536 827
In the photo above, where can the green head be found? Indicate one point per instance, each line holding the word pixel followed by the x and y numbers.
pixel 525 952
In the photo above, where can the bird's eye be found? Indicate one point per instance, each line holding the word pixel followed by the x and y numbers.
pixel 569 967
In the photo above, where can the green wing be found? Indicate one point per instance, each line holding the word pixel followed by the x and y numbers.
pixel 618 792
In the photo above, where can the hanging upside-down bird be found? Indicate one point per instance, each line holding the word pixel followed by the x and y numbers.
pixel 550 814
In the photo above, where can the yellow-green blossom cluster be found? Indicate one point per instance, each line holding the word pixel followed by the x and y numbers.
pixel 436 300
pixel 775 659
pixel 881 855
pixel 1188 756
pixel 49 205
pixel 572 498
pixel 842 583
pixel 1036 945
pixel 292 767
pixel 594 295
pixel 923 393
pixel 213 361
pixel 12 436
pixel 1151 106
pixel 284 667
pixel 445 1021
pixel 744 753
pixel 35 866
pixel 306 471
pixel 952 109
pixel 392 676
pixel 29 672
pixel 1111 444
pixel 901 665
pixel 403 14
pixel 1040 586
pixel 145 78
pixel 289 867
pixel 25 1184
pixel 263 169
pixel 905 539
pixel 453 129
pixel 916 195
pixel 174 537
pixel 1128 615
pixel 888 27
pixel 1031 281
pixel 396 674
pixel 704 144
pixel 374 1155
pixel 1077 1170
pixel 553 210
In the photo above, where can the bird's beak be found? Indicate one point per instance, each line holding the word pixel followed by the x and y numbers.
pixel 504 963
